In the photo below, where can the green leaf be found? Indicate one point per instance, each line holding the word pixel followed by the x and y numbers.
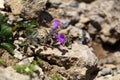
pixel 9 47
pixel 1 17
pixel 2 61
pixel 34 22
pixel 34 33
pixel 24 43
pixel 25 24
pixel 57 77
pixel 6 31
pixel 34 42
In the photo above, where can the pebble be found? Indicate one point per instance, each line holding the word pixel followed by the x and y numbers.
pixel 118 69
pixel 106 71
pixel 80 25
pixel 18 54
pixel 55 1
pixel 84 19
pixel 65 23
pixel 26 61
pixel 97 18
pixel 82 7
pixel 74 4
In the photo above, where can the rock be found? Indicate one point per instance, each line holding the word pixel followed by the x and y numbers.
pixel 108 77
pixel 116 77
pixel 97 18
pixel 55 1
pixel 76 32
pixel 26 61
pixel 110 66
pixel 8 59
pixel 80 25
pixel 79 61
pixel 2 4
pixel 65 23
pixel 82 7
pixel 14 6
pixel 106 71
pixel 11 18
pixel 83 19
pixel 104 17
pixel 72 13
pixel 86 1
pixel 27 9
pixel 74 3
pixel 10 74
pixel 39 75
pixel 18 54
pixel 108 60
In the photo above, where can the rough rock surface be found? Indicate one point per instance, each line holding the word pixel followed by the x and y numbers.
pixel 105 18
pixel 26 8
pixel 2 4
pixel 79 61
pixel 10 74
pixel 100 19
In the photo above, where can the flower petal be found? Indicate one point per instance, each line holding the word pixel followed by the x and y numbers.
pixel 56 24
pixel 61 38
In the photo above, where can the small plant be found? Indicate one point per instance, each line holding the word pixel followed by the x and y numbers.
pixel 27 69
pixel 56 77
pixel 37 61
pixel 29 32
pixel 53 37
pixel 2 62
pixel 6 36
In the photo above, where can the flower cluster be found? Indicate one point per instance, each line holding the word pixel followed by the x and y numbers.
pixel 56 24
pixel 59 36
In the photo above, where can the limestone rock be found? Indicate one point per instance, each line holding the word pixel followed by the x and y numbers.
pixel 87 1
pixel 10 74
pixel 116 77
pixel 26 8
pixel 104 17
pixel 2 4
pixel 79 61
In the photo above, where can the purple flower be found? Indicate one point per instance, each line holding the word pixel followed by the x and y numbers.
pixel 56 24
pixel 61 38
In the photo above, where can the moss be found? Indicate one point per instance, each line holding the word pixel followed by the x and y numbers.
pixel 25 69
pixel 2 61
pixel 57 77
pixel 37 61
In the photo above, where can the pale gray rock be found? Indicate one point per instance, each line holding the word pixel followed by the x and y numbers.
pixel 76 32
pixel 26 61
pixel 18 54
pixel 74 3
pixel 10 74
pixel 106 71
pixel 107 77
pixel 116 77
pixel 105 17
pixel 26 8
pixel 2 4
pixel 55 1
